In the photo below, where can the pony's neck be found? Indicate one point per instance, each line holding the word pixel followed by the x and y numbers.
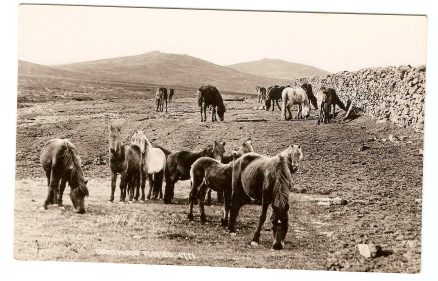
pixel 119 151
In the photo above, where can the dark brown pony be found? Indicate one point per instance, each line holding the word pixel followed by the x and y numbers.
pixel 161 98
pixel 178 166
pixel 209 95
pixel 273 95
pixel 171 93
pixel 327 98
pixel 62 165
pixel 309 91
pixel 210 174
pixel 267 179
pixel 125 159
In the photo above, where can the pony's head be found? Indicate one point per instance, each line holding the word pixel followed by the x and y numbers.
pixel 306 109
pixel 77 196
pixel 221 111
pixel 218 150
pixel 280 224
pixel 138 138
pixel 247 147
pixel 114 138
pixel 295 155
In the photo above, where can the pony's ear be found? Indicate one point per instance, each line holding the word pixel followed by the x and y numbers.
pixel 299 146
pixel 111 127
pixel 223 143
pixel 86 181
pixel 119 128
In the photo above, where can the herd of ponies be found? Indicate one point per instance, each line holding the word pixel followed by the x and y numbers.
pixel 239 177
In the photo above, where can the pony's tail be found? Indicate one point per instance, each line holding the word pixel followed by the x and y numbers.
pixel 199 99
pixel 282 181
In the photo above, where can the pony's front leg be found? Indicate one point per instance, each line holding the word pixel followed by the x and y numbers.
pixel 256 238
pixel 143 184
pixel 289 112
pixel 166 104
pixel 200 110
pixel 300 112
pixel 123 184
pixel 213 114
pixel 113 185
pixel 279 108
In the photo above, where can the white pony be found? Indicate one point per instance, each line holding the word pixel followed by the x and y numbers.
pixel 295 96
pixel 153 163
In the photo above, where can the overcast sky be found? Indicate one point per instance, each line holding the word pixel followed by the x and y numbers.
pixel 334 42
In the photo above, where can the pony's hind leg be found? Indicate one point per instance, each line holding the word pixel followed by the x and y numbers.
pixel 192 198
pixel 201 197
pixel 226 207
pixel 256 238
pixel 123 184
pixel 61 190
pixel 143 184
pixel 52 195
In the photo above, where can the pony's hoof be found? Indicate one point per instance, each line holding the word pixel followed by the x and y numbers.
pixel 254 243
pixel 233 233
pixel 224 223
pixel 130 202
pixel 143 201
pixel 61 208
pixel 110 201
pixel 190 217
pixel 43 208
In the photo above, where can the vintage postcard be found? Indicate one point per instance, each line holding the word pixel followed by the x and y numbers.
pixel 220 138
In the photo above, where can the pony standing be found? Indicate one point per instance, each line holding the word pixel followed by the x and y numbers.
pixel 268 179
pixel 327 98
pixel 171 93
pixel 210 174
pixel 296 96
pixel 209 95
pixel 160 99
pixel 261 92
pixel 273 95
pixel 178 166
pixel 125 159
pixel 153 161
pixel 62 165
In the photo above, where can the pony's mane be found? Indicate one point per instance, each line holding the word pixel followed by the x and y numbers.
pixel 281 178
pixel 73 163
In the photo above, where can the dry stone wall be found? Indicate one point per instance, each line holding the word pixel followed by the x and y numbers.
pixel 389 93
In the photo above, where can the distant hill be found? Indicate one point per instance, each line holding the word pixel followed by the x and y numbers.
pixel 37 70
pixel 169 69
pixel 278 69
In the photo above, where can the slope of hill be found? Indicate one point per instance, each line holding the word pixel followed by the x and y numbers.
pixel 278 69
pixel 170 69
pixel 37 70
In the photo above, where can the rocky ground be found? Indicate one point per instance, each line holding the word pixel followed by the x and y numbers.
pixel 356 185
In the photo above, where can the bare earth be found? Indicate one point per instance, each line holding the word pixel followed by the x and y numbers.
pixel 381 185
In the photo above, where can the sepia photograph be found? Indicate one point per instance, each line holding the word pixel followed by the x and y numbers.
pixel 220 138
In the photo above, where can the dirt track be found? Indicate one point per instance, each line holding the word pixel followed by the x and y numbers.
pixel 381 185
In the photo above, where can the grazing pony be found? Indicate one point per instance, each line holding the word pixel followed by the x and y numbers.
pixel 62 165
pixel 309 91
pixel 178 166
pixel 207 174
pixel 227 158
pixel 327 97
pixel 125 159
pixel 261 92
pixel 209 95
pixel 161 98
pixel 153 162
pixel 268 179
pixel 171 93
pixel 273 95
pixel 295 96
